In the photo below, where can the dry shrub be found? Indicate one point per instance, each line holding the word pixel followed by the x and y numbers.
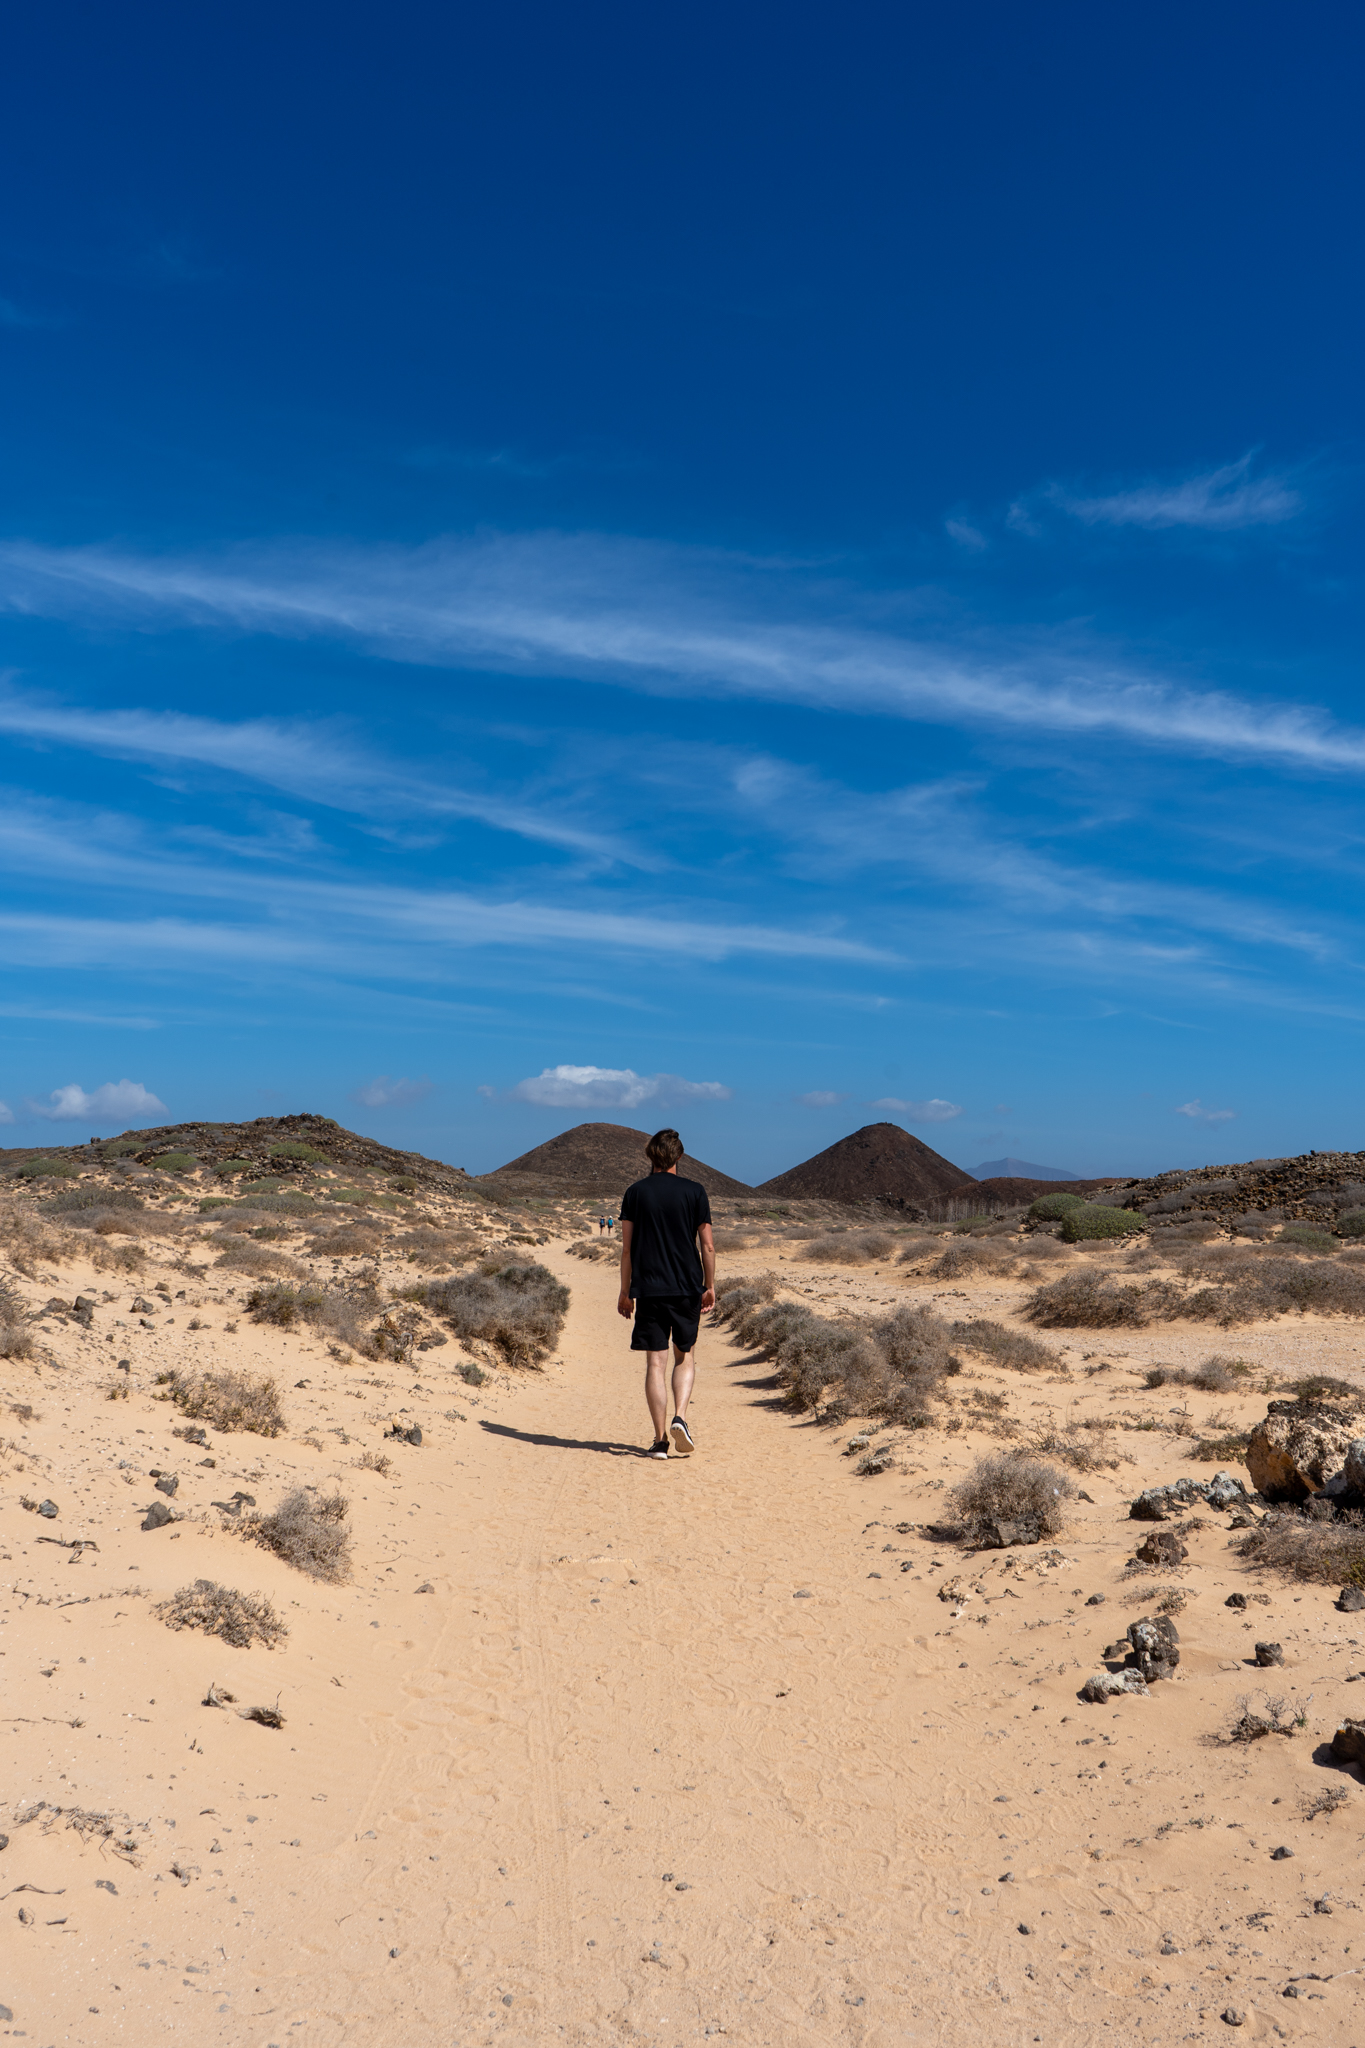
pixel 1316 1553
pixel 1042 1250
pixel 1010 1488
pixel 918 1248
pixel 517 1308
pixel 430 1247
pixel 1003 1346
pixel 849 1248
pixel 1272 1717
pixel 890 1367
pixel 1217 1375
pixel 243 1255
pixel 227 1400
pixel 1087 1446
pixel 970 1255
pixel 311 1534
pixel 1087 1300
pixel 16 1339
pixel 350 1240
pixel 1228 1449
pixel 375 1461
pixel 28 1241
pixel 336 1315
pixel 239 1618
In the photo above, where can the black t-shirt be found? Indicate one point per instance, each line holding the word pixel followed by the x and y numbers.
pixel 665 1214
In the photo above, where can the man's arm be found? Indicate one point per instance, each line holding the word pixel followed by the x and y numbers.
pixel 624 1305
pixel 708 1268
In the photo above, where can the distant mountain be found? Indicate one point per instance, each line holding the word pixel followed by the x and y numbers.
pixel 1021 1169
pixel 610 1156
pixel 879 1160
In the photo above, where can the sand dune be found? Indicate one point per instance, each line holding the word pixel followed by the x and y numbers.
pixel 666 1751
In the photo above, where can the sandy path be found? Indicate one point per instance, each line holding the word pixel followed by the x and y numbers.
pixel 616 1781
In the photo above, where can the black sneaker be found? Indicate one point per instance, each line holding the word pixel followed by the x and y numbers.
pixel 660 1449
pixel 682 1438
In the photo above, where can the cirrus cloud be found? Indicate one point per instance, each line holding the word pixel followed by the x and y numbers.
pixel 385 1093
pixel 821 1098
pixel 568 1087
pixel 6 1114
pixel 935 1111
pixel 1199 1114
pixel 112 1102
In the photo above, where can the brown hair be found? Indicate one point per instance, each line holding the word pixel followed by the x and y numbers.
pixel 665 1148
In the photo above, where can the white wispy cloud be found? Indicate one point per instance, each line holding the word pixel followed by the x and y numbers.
pixel 821 1098
pixel 1216 501
pixel 112 1102
pixel 664 620
pixel 6 1114
pixel 935 1111
pixel 569 1087
pixel 321 761
pixel 386 1093
pixel 1199 1114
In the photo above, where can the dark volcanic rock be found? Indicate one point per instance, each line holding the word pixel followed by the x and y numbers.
pixel 1155 1646
pixel 1268 1654
pixel 879 1163
pixel 1004 1535
pixel 1348 1744
pixel 1164 1547
pixel 157 1516
pixel 1350 1600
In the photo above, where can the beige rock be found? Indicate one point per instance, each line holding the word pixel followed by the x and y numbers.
pixel 1295 1451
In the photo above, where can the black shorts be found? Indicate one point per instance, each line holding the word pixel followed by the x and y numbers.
pixel 660 1317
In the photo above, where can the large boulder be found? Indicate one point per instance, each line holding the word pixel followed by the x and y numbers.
pixel 1107 1685
pixel 1155 1649
pixel 1298 1449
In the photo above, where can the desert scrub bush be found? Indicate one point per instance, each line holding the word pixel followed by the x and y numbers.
pixel 362 1196
pixel 1087 1301
pixel 1003 1346
pixel 239 1618
pixel 1309 1236
pixel 16 1340
pixel 973 1255
pixel 1096 1220
pixel 1316 1553
pixel 174 1162
pixel 349 1240
pixel 1217 1375
pixel 1351 1223
pixel 285 1307
pixel 28 1241
pixel 518 1308
pixel 1273 1716
pixel 1087 1446
pixel 918 1248
pixel 1229 1448
pixel 294 1148
pixel 277 1202
pixel 75 1202
pixel 226 1400
pixel 849 1248
pixel 1012 1488
pixel 1052 1208
pixel 312 1534
pixel 912 1348
pixel 375 1461
pixel 243 1255
pixel 51 1169
pixel 230 1167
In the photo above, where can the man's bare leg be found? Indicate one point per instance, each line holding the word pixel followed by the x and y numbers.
pixel 656 1392
pixel 684 1373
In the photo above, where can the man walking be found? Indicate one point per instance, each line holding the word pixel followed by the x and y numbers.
pixel 668 1282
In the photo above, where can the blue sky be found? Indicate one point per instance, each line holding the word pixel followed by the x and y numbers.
pixel 758 571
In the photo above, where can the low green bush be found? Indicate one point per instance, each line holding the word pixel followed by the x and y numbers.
pixel 1308 1235
pixel 1052 1208
pixel 1090 1220
pixel 360 1195
pixel 214 1202
pixel 1352 1224
pixel 120 1148
pixel 174 1162
pixel 231 1166
pixel 54 1169
pixel 293 1148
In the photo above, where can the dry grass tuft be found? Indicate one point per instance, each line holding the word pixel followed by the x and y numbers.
pixel 375 1461
pixel 16 1339
pixel 1087 1300
pixel 1316 1553
pixel 517 1307
pixel 1003 1346
pixel 244 1255
pixel 1010 1488
pixel 227 1400
pixel 311 1534
pixel 848 1248
pixel 1217 1375
pixel 265 1717
pixel 28 1242
pixel 239 1618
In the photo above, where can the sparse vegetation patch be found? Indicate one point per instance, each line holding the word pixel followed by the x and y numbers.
pixel 517 1308
pixel 311 1533
pixel 239 1618
pixel 226 1400
pixel 1010 1488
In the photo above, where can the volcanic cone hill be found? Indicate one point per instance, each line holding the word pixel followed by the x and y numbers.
pixel 606 1156
pixel 881 1162
pixel 276 1144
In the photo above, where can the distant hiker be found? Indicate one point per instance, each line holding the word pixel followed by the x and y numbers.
pixel 601 1225
pixel 668 1282
pixel 610 1222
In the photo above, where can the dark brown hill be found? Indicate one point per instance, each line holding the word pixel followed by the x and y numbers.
pixel 608 1156
pixel 209 1144
pixel 881 1162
